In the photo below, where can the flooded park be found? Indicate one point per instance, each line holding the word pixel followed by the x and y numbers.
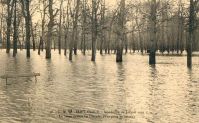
pixel 82 91
pixel 99 61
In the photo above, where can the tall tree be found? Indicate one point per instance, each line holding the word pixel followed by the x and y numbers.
pixel 192 25
pixel 152 21
pixel 139 30
pixel 60 26
pixel 84 19
pixel 50 29
pixel 74 33
pixel 10 4
pixel 15 29
pixel 95 5
pixel 180 27
pixel 1 28
pixel 75 41
pixel 32 34
pixel 102 42
pixel 120 31
pixel 43 16
pixel 66 27
pixel 26 11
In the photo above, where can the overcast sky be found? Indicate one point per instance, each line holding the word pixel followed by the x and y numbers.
pixel 110 4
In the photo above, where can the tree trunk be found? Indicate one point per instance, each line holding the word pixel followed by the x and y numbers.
pixel 1 29
pixel 84 26
pixel 178 33
pixel 39 48
pixel 94 29
pixel 139 32
pixel 66 29
pixel 54 44
pixel 126 44
pixel 43 26
pixel 65 44
pixel 102 42
pixel 33 37
pixel 26 5
pixel 74 33
pixel 9 22
pixel 152 56
pixel 60 24
pixel 121 32
pixel 50 27
pixel 15 30
pixel 23 37
pixel 191 33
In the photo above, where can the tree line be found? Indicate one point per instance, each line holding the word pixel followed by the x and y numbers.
pixel 145 26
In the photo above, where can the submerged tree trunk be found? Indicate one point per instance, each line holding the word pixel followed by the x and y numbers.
pixel 50 27
pixel 23 37
pixel 26 5
pixel 41 44
pixel 102 27
pixel 54 43
pixel 74 33
pixel 9 22
pixel 66 29
pixel 15 30
pixel 139 32
pixel 27 19
pixel 60 23
pixel 178 29
pixel 75 41
pixel 33 37
pixel 121 32
pixel 65 44
pixel 84 26
pixel 152 56
pixel 94 28
pixel 191 33
pixel 39 48
pixel 126 43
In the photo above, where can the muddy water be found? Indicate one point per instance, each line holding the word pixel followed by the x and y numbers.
pixel 102 92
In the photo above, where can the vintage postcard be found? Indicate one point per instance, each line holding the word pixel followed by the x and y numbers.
pixel 99 61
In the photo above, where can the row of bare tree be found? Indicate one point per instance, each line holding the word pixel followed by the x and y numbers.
pixel 145 26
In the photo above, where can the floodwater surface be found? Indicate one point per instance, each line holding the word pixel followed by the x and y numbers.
pixel 99 92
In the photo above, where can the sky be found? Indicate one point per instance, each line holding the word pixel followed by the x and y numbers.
pixel 110 4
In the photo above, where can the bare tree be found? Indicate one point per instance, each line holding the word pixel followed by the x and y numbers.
pixel 120 31
pixel 10 5
pixel 152 21
pixel 60 26
pixel 15 29
pixel 43 22
pixel 66 27
pixel 94 27
pixel 50 28
pixel 103 39
pixel 26 11
pixel 84 23
pixel 74 31
pixel 192 26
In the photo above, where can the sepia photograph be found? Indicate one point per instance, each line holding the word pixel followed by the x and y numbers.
pixel 99 61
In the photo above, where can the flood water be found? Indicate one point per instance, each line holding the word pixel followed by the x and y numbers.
pixel 102 92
